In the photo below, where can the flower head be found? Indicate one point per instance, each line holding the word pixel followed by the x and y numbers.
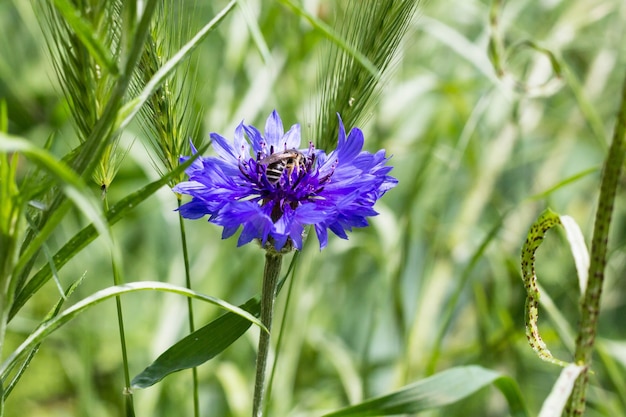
pixel 278 189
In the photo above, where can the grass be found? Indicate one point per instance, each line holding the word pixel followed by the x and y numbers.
pixel 434 283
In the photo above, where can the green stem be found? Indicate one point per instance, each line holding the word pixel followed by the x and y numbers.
pixel 283 322
pixel 273 261
pixel 590 305
pixel 117 280
pixel 194 371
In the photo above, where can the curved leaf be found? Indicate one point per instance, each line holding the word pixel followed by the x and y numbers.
pixel 50 326
pixel 439 390
pixel 546 221
pixel 71 184
pixel 199 346
pixel 204 343
pixel 89 233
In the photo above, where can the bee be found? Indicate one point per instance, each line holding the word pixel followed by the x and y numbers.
pixel 278 162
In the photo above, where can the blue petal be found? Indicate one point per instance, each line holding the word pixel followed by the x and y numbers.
pixel 352 146
pixel 274 130
pixel 292 138
pixel 187 187
pixel 228 231
pixel 196 164
pixel 338 230
pixel 241 145
pixel 256 138
pixel 194 209
pixel 342 132
pixel 224 148
pixel 322 235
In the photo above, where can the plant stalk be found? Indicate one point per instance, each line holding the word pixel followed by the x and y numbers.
pixel 194 371
pixel 590 304
pixel 273 261
pixel 117 280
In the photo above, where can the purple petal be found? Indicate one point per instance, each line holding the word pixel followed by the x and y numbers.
pixel 256 138
pixel 292 138
pixel 224 148
pixel 274 130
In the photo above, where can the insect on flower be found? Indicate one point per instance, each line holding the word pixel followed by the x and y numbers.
pixel 291 160
pixel 284 188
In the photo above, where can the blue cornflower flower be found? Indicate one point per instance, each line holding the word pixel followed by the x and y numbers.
pixel 279 189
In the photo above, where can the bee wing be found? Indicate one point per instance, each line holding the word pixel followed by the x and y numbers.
pixel 275 157
pixel 279 156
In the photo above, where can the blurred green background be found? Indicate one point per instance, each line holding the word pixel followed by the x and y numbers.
pixel 477 156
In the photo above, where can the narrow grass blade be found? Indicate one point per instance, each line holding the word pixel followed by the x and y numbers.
pixel 204 343
pixel 53 312
pixel 542 195
pixel 255 31
pixel 546 221
pixel 437 391
pixel 128 112
pixel 71 184
pixel 89 233
pixel 50 326
pixel 334 37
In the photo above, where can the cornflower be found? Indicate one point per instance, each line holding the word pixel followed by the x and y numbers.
pixel 278 189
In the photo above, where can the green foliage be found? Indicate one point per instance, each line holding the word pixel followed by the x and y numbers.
pixel 348 86
pixel 438 391
pixel 199 346
pixel 492 111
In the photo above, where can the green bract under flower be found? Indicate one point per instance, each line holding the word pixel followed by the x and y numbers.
pixel 272 188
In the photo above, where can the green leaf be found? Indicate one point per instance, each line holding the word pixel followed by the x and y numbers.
pixel 71 184
pixel 205 343
pixel 582 174
pixel 53 312
pixel 89 233
pixel 50 326
pixel 546 221
pixel 437 391
pixel 199 346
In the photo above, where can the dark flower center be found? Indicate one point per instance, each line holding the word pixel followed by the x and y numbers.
pixel 285 178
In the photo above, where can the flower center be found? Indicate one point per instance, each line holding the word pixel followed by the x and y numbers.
pixel 285 178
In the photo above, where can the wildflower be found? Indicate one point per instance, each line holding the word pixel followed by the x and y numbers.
pixel 279 189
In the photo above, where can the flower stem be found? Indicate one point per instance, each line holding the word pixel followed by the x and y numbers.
pixel 590 304
pixel 117 280
pixel 194 371
pixel 273 261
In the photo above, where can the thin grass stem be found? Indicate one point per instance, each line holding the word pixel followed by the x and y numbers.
pixel 590 305
pixel 281 333
pixel 117 280
pixel 273 261
pixel 192 328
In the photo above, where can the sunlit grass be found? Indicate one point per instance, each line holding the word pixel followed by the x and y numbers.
pixel 477 159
